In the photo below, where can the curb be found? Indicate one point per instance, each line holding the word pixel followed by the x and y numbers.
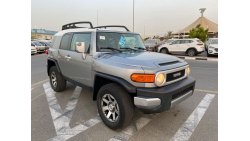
pixel 198 58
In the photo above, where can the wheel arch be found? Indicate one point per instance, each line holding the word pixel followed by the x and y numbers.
pixel 164 47
pixel 52 62
pixel 101 79
pixel 192 48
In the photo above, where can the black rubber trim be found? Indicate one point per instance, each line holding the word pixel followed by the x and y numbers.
pixel 166 93
pixel 73 25
pixel 57 66
pixel 107 26
pixel 75 82
pixel 130 88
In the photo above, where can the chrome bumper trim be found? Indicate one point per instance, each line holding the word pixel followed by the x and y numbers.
pixel 146 102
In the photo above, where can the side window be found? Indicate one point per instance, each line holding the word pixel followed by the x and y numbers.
pixel 182 41
pixel 176 42
pixel 65 42
pixel 81 37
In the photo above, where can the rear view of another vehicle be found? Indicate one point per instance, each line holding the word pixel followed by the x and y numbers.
pixel 39 47
pixel 212 48
pixel 33 50
pixel 152 44
pixel 46 44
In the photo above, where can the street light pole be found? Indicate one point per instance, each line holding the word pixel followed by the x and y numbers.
pixel 133 14
pixel 97 18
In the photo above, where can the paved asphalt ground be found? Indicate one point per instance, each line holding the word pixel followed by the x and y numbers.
pixel 195 118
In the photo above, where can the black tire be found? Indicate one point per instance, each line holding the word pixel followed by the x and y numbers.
pixel 208 55
pixel 124 104
pixel 191 52
pixel 164 51
pixel 60 81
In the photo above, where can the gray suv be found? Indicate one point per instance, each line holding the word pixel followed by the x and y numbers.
pixel 121 73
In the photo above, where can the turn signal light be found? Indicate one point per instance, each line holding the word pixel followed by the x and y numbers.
pixel 143 78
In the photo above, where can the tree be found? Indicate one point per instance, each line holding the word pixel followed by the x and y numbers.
pixel 199 32
pixel 168 35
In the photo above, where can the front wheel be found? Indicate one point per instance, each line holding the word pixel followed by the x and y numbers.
pixel 114 106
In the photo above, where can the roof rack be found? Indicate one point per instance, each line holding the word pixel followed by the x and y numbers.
pixel 73 25
pixel 121 26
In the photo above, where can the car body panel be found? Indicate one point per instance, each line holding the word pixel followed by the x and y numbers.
pixel 182 45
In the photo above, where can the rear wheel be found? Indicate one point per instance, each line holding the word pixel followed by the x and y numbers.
pixel 191 52
pixel 115 106
pixel 164 51
pixel 57 82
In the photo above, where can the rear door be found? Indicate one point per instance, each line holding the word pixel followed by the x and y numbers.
pixel 184 45
pixel 174 46
pixel 63 55
pixel 75 66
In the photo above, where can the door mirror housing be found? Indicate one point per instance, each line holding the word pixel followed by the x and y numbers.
pixel 80 47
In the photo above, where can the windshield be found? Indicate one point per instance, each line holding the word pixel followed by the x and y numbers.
pixel 214 41
pixel 119 41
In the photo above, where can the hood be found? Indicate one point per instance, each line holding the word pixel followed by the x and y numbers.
pixel 141 59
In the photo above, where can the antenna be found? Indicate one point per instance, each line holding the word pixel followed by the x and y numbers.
pixel 202 10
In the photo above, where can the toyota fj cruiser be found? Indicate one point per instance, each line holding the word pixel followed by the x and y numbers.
pixel 121 73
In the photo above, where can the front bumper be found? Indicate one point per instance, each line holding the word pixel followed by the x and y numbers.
pixel 154 100
pixel 213 51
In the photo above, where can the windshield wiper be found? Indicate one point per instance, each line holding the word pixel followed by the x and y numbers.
pixel 111 48
pixel 142 48
pixel 129 48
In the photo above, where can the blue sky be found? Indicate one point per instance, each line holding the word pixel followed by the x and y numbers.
pixel 158 16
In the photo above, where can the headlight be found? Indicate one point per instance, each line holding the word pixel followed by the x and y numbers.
pixel 211 47
pixel 187 71
pixel 160 79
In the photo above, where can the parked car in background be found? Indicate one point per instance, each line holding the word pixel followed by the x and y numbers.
pixel 152 44
pixel 212 46
pixel 39 47
pixel 189 46
pixel 46 44
pixel 33 50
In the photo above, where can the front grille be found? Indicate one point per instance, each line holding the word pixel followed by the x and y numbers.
pixel 175 75
pixel 181 93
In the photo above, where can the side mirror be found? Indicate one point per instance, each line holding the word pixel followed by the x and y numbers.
pixel 80 47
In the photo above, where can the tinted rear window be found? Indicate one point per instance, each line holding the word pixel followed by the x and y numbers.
pixel 65 43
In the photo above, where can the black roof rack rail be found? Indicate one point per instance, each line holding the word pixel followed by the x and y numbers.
pixel 73 25
pixel 122 26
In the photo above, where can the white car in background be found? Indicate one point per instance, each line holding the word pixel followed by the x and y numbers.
pixel 189 46
pixel 212 46
pixel 33 50
pixel 39 47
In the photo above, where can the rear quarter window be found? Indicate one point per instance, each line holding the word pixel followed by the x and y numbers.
pixel 65 42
